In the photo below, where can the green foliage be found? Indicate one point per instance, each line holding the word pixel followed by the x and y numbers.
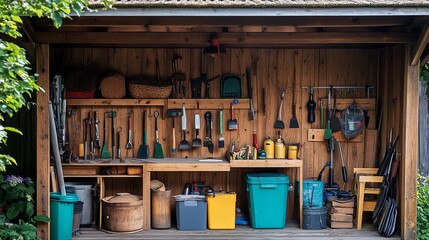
pixel 17 220
pixel 422 207
pixel 16 80
pixel 17 231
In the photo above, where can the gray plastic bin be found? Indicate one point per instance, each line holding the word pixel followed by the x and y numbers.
pixel 191 212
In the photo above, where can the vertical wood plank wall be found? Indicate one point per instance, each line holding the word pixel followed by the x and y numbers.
pixel 272 70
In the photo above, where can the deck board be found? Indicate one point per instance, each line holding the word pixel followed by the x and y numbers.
pixel 241 232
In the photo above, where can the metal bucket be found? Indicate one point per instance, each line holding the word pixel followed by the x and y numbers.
pixel 314 218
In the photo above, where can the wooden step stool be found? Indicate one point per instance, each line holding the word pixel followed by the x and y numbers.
pixel 362 177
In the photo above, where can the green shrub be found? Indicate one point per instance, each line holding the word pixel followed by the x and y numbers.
pixel 423 207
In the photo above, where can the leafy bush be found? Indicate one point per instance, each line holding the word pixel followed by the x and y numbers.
pixel 423 207
pixel 17 220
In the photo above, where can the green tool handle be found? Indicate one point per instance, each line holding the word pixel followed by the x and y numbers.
pixel 221 122
pixel 144 128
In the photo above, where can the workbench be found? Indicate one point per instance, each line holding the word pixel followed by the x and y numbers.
pixel 91 169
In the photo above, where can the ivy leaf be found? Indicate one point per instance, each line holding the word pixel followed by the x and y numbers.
pixel 42 218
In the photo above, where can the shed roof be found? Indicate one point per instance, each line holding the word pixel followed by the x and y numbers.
pixel 268 3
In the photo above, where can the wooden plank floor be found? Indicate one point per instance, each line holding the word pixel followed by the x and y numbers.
pixel 241 232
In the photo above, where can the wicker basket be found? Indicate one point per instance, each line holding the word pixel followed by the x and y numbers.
pixel 138 90
pixel 113 86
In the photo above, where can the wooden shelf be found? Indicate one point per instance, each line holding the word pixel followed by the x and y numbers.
pixel 116 102
pixel 267 163
pixel 208 103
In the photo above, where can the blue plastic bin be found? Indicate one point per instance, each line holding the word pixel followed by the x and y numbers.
pixel 311 189
pixel 267 196
pixel 62 211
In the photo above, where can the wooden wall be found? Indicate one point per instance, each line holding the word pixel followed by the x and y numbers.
pixel 272 70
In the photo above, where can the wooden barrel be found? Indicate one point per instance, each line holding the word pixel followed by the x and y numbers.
pixel 123 213
pixel 161 209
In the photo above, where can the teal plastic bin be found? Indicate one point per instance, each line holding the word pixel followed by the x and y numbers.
pixel 312 192
pixel 62 208
pixel 267 196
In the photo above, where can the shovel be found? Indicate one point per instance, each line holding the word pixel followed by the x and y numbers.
pixel 158 147
pixel 197 141
pixel 279 124
pixel 184 144
pixel 143 151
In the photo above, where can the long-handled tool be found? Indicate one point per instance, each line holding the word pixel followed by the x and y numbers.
pixel 209 127
pixel 118 130
pixel 335 122
pixel 97 133
pixel 221 139
pixel 279 124
pixel 311 106
pixel 332 185
pixel 105 150
pixel 293 121
pixel 343 166
pixel 232 123
pixel 249 93
pixel 196 142
pixel 158 147
pixel 143 151
pixel 85 138
pixel 112 114
pixel 129 144
pixel 174 113
pixel 328 131
pixel 184 144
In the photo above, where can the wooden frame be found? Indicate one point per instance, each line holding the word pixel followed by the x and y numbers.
pixel 409 131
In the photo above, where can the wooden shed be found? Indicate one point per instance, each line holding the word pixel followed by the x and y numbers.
pixel 369 51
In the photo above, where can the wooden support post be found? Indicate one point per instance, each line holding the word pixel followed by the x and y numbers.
pixel 43 147
pixel 409 150
pixel 146 199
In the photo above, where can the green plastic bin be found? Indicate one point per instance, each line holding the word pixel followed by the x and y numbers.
pixel 267 196
pixel 62 208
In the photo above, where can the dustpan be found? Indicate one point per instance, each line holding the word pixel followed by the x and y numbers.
pixel 230 86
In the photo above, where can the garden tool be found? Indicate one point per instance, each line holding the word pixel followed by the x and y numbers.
pixel 279 124
pixel 105 150
pixel 143 151
pixel 184 144
pixel 197 141
pixel 158 147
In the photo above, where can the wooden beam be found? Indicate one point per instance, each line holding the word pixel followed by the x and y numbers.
pixel 409 157
pixel 227 39
pixel 109 21
pixel 42 136
pixel 424 58
pixel 420 45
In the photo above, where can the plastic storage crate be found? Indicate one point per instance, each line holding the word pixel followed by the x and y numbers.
pixel 267 196
pixel 191 212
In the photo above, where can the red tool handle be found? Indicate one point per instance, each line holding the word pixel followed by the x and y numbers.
pixel 255 140
pixel 232 111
